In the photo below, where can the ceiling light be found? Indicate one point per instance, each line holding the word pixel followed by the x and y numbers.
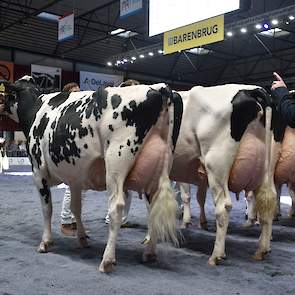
pixel 141 55
pixel 49 16
pixel 133 58
pixel 258 26
pixel 243 30
pixel 275 22
pixel 266 26
pixel 229 34
pixel 291 17
pixel 127 34
pixel 151 54
pixel 125 60
pixel 117 31
pixel 160 51
pixel 286 22
pixel 109 64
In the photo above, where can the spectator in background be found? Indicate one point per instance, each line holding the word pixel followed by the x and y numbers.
pixel 68 222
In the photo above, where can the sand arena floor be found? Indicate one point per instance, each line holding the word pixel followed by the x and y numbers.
pixel 66 269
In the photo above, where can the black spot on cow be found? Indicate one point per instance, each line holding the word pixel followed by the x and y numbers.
pixel 111 128
pixel 119 154
pixel 108 142
pixel 115 115
pixel 121 146
pixel 85 146
pixel 91 130
pixel 245 110
pixel 144 115
pixel 38 133
pixel 128 142
pixel 59 99
pixel 116 100
pixel 44 191
pixel 62 145
pixel 97 104
pixel 178 111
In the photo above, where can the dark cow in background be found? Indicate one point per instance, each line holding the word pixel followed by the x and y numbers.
pixel 114 138
pixel 225 139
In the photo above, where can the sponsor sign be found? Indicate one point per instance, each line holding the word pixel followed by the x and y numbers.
pixel 19 161
pixel 91 81
pixel 6 70
pixel 47 78
pixel 128 7
pixel 66 25
pixel 194 35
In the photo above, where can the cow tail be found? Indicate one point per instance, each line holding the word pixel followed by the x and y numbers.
pixel 162 218
pixel 266 195
pixel 164 208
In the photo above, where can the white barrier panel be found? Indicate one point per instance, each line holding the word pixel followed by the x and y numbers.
pixel 19 161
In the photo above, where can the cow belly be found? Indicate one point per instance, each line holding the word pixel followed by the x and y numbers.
pixel 149 164
pixel 285 168
pixel 247 170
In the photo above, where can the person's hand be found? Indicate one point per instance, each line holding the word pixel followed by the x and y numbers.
pixel 278 83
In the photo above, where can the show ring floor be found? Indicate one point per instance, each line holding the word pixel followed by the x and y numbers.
pixel 66 269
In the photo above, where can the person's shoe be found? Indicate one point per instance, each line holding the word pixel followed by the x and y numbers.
pixel 67 229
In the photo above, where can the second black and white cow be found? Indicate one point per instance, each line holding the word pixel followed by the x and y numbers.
pixel 114 138
pixel 225 139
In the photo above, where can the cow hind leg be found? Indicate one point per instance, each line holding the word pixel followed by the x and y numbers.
pixel 291 213
pixel 186 199
pixel 46 203
pixel 116 206
pixel 201 198
pixel 266 208
pixel 223 206
pixel 76 209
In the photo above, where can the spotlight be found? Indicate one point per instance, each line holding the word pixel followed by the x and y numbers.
pixel 243 30
pixel 266 26
pixel 229 34
pixel 141 55
pixel 275 22
pixel 258 26
pixel 286 22
pixel 151 54
pixel 125 60
pixel 291 17
pixel 109 64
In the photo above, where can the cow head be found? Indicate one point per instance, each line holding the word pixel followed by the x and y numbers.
pixel 14 95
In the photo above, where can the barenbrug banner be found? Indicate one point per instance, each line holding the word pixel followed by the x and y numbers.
pixel 6 70
pixel 91 81
pixel 47 78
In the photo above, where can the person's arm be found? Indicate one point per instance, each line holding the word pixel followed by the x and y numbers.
pixel 284 102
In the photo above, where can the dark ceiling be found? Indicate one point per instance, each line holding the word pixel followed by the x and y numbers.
pixel 246 58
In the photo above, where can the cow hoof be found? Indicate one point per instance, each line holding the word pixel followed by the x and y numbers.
pixel 83 242
pixel 213 261
pixel 249 224
pixel 149 257
pixel 203 225
pixel 146 240
pixel 44 246
pixel 185 225
pixel 107 266
pixel 259 256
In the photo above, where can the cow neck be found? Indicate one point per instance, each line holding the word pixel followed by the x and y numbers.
pixel 28 106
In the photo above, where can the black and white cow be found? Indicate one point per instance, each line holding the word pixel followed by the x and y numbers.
pixel 223 141
pixel 114 138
